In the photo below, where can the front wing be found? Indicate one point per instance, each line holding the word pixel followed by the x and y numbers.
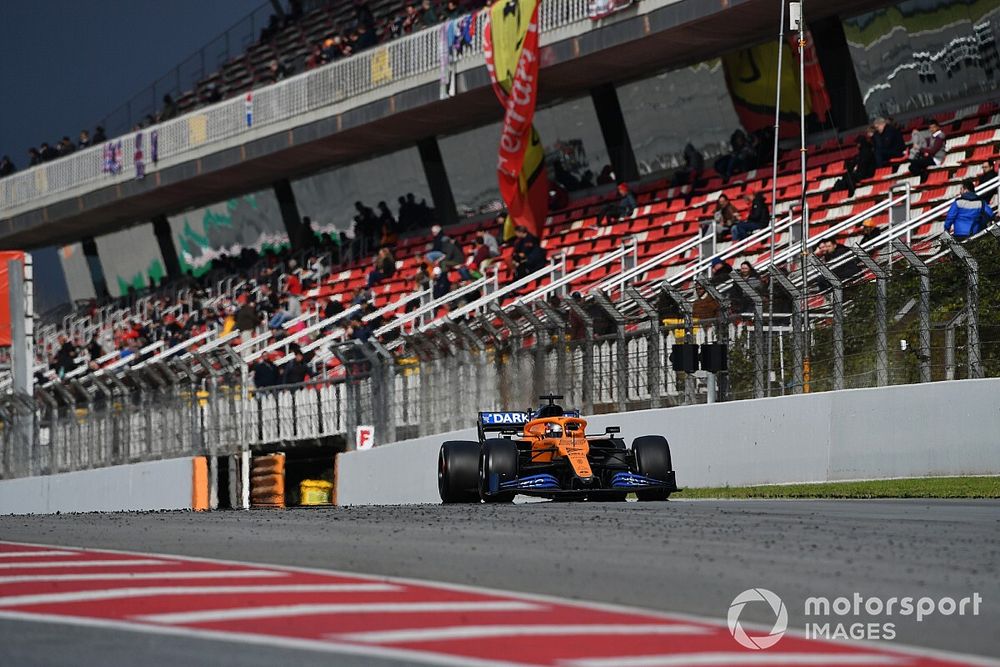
pixel 546 485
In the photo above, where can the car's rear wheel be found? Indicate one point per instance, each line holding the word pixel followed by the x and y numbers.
pixel 497 464
pixel 458 472
pixel 652 459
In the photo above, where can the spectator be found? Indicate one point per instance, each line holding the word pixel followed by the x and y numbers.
pixel 276 70
pixel 422 213
pixel 489 240
pixel 931 150
pixel 833 254
pixel 295 371
pixel 741 158
pixel 704 307
pixel 99 135
pixel 265 373
pixel 247 317
pixel 46 152
pixel 34 157
pixel 413 21
pixel 623 207
pixel 384 267
pixel 989 174
pixel 65 147
pixel 968 214
pixel 531 258
pixel 723 218
pixel 6 166
pixel 721 271
pixel 169 108
pixel 694 164
pixel 888 142
pixel 210 95
pixel 453 258
pixel 65 360
pixel 742 302
pixel 332 308
pixel 95 351
pixel 427 13
pixel 387 225
pixel 859 168
pixel 452 10
pixel 441 284
pixel 437 241
pixel 316 57
pixel 84 140
pixel 759 218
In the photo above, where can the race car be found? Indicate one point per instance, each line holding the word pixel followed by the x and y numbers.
pixel 548 453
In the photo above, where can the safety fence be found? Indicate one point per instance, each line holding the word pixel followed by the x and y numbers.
pixel 345 81
pixel 870 321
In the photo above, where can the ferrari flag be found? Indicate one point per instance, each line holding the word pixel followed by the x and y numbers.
pixel 510 41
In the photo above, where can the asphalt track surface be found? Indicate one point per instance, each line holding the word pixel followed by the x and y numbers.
pixel 688 557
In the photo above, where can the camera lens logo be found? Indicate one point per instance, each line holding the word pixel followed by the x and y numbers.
pixel 757 642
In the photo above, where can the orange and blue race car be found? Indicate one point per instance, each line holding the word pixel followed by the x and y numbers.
pixel 548 453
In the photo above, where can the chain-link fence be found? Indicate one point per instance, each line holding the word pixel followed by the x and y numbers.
pixel 872 325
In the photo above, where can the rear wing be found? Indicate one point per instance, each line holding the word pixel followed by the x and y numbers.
pixel 510 423
pixel 502 422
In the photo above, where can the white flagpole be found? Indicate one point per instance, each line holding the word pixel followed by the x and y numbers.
pixel 774 194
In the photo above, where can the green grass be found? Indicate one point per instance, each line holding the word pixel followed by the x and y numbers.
pixel 926 487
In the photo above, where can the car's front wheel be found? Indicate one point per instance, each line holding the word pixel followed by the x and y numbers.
pixel 652 459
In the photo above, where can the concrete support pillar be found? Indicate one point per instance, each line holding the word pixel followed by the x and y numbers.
pixel 96 268
pixel 165 239
pixel 616 139
pixel 437 181
pixel 289 212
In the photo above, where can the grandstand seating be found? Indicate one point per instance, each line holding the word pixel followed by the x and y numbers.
pixel 664 220
pixel 291 45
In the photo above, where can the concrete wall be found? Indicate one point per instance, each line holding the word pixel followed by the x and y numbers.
pixel 943 428
pixel 154 485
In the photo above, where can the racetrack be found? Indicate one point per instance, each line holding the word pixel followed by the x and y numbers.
pixel 691 557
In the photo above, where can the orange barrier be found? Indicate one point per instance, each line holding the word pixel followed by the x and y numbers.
pixel 267 481
pixel 199 484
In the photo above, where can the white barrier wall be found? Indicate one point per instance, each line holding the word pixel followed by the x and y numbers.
pixel 153 485
pixel 942 428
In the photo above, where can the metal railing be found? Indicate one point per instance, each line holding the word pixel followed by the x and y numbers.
pixel 323 91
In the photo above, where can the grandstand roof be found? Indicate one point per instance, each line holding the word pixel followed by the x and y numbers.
pixel 656 35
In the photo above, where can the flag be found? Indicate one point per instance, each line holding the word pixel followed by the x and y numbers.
pixel 510 42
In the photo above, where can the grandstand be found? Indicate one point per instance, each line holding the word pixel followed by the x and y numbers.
pixel 394 356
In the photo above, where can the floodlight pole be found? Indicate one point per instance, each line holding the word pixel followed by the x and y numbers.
pixel 774 190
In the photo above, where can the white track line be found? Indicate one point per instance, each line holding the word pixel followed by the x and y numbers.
pixel 280 611
pixel 135 576
pixel 405 656
pixel 36 554
pixel 742 658
pixel 156 591
pixel 87 563
pixel 459 632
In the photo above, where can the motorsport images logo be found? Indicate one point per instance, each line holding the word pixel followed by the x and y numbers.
pixel 757 642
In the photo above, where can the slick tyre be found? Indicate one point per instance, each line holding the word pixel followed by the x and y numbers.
pixel 498 460
pixel 652 459
pixel 458 472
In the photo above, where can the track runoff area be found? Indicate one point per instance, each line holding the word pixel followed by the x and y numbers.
pixel 355 619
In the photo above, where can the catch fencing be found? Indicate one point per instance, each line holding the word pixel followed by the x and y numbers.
pixel 867 327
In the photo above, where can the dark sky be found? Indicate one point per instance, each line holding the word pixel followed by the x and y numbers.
pixel 68 63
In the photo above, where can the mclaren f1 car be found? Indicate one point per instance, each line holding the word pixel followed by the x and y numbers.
pixel 548 453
